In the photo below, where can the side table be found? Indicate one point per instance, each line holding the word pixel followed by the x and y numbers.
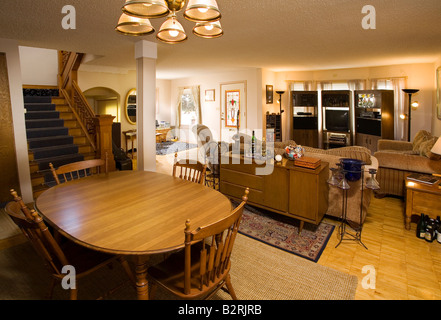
pixel 422 198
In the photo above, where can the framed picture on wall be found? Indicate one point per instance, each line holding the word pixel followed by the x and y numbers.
pixel 209 95
pixel 438 92
pixel 269 94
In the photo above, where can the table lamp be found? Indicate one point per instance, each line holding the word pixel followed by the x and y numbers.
pixel 437 149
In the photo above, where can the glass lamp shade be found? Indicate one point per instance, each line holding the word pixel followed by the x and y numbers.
pixel 202 11
pixel 171 31
pixel 208 29
pixel 146 8
pixel 133 26
pixel 335 178
pixel 371 182
pixel 344 184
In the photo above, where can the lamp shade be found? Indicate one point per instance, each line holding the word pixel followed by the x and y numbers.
pixel 133 26
pixel 202 10
pixel 171 31
pixel 437 147
pixel 208 29
pixel 146 8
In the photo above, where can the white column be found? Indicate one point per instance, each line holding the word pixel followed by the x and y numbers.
pixel 10 47
pixel 146 55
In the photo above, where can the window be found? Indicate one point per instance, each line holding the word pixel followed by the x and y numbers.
pixel 189 112
pixel 188 108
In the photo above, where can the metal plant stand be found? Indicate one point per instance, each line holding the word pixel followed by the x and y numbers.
pixel 338 179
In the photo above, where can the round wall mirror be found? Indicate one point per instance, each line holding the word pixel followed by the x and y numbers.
pixel 131 106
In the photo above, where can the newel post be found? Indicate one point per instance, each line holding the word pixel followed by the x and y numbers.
pixel 103 125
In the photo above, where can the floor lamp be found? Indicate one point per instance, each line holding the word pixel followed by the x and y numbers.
pixel 281 110
pixel 409 117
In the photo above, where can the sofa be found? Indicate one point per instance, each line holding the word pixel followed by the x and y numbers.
pixel 397 159
pixel 333 156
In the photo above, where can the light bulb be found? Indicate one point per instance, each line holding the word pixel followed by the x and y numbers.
pixel 202 10
pixel 173 33
pixel 209 27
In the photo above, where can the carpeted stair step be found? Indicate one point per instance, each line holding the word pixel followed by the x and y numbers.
pixel 46 132
pixel 43 164
pixel 54 151
pixel 42 115
pixel 37 99
pixel 39 107
pixel 44 123
pixel 49 141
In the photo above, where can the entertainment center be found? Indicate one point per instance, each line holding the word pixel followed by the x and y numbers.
pixel 342 118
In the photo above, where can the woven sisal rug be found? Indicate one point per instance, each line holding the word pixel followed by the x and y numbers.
pixel 258 272
pixel 283 233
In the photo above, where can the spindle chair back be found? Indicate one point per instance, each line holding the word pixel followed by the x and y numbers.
pixel 189 170
pixel 79 169
pixel 203 267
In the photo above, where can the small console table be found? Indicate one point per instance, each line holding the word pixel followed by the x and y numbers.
pixel 422 198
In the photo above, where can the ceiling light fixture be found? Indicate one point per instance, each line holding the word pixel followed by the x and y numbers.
pixel 134 26
pixel 134 20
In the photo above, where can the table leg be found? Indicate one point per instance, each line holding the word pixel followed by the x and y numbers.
pixel 142 287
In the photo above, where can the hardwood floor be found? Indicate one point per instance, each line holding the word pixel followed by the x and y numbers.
pixel 406 267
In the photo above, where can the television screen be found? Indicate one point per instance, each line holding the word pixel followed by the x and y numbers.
pixel 337 120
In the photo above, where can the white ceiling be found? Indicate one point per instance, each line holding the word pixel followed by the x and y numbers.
pixel 279 35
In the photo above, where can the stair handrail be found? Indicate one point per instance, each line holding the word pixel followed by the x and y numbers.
pixel 85 119
pixel 68 64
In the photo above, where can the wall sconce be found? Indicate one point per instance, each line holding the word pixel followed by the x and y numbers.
pixel 409 114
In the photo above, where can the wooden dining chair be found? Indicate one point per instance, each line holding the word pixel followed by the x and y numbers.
pixel 189 170
pixel 203 267
pixel 55 255
pixel 79 169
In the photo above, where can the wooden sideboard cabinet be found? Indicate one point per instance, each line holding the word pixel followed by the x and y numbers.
pixel 290 190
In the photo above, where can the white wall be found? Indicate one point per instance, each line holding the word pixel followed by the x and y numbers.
pixel 436 123
pixel 211 111
pixel 39 66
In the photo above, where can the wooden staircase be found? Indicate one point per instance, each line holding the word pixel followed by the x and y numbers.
pixel 45 146
pixel 61 127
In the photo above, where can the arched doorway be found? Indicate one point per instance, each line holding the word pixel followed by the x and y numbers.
pixel 104 101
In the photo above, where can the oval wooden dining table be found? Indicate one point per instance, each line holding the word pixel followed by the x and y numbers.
pixel 134 213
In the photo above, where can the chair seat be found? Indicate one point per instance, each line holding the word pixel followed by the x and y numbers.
pixel 170 274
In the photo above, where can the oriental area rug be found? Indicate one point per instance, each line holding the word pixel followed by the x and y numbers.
pixel 283 232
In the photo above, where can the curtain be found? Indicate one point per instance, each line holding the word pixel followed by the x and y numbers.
pixel 178 107
pixel 399 105
pixel 397 85
pixel 197 102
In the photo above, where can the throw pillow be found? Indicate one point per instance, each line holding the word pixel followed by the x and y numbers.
pixel 426 147
pixel 420 137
